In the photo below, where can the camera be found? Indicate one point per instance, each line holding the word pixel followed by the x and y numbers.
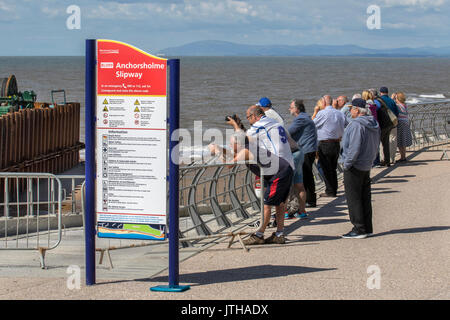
pixel 237 120
pixel 234 117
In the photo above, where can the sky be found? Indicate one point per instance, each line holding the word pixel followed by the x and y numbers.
pixel 39 27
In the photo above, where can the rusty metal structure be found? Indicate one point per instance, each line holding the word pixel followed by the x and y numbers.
pixel 40 139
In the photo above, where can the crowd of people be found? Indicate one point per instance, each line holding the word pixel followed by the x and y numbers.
pixel 360 134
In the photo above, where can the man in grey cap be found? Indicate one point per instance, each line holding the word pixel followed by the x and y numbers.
pixel 359 148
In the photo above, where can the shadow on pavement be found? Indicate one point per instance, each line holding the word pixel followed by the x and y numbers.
pixel 239 274
pixel 387 180
pixel 314 238
pixel 411 230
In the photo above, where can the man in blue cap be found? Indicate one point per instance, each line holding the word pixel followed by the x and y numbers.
pixel 266 105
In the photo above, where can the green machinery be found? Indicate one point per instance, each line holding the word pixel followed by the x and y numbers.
pixel 11 99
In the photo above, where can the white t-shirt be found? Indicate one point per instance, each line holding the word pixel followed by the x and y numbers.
pixel 273 137
pixel 274 115
pixel 271 113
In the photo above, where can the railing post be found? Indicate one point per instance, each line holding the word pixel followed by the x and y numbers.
pixel 6 209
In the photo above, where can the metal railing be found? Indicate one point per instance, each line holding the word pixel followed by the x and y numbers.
pixel 215 197
pixel 429 124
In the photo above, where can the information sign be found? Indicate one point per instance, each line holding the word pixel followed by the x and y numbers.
pixel 131 142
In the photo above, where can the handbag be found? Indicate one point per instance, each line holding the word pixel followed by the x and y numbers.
pixel 393 117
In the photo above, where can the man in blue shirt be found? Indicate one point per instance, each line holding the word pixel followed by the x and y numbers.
pixel 330 124
pixel 389 102
pixel 304 131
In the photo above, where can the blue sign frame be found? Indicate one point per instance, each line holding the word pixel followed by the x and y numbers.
pixel 174 123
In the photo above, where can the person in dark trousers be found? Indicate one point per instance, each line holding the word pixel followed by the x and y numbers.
pixel 330 124
pixel 304 131
pixel 386 126
pixel 359 149
pixel 392 138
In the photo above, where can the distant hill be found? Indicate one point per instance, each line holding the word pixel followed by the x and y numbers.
pixel 224 48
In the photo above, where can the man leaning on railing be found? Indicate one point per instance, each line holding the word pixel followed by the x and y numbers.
pixel 277 173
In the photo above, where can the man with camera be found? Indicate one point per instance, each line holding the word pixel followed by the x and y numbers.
pixel 269 134
pixel 272 152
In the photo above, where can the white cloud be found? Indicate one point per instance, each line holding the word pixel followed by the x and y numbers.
pixel 52 12
pixel 415 3
pixel 398 26
pixel 8 11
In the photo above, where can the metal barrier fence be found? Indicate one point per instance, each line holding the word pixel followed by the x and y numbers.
pixel 430 124
pixel 31 219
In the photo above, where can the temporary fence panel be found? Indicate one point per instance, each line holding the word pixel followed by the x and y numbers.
pixel 31 219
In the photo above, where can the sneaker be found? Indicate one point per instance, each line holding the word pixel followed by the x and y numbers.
pixel 274 239
pixel 301 215
pixel 253 239
pixel 354 235
pixel 288 216
pixel 255 224
pixel 327 195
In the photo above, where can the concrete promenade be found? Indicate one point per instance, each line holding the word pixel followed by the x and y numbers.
pixel 408 256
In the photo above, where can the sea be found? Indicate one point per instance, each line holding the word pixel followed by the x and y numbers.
pixel 214 87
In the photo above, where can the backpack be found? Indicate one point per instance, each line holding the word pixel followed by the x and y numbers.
pixel 383 116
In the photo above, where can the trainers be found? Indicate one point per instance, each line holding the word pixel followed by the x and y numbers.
pixel 327 195
pixel 301 215
pixel 272 224
pixel 274 239
pixel 288 216
pixel 354 235
pixel 255 224
pixel 253 239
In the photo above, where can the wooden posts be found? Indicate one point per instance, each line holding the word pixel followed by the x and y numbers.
pixel 40 140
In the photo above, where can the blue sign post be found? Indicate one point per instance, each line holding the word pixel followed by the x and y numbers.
pixel 174 124
pixel 89 210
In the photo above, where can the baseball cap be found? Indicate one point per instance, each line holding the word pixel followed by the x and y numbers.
pixel 384 90
pixel 264 102
pixel 358 102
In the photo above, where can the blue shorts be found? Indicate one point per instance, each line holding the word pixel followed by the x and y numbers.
pixel 299 157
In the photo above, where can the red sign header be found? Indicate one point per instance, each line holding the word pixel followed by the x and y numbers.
pixel 128 71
